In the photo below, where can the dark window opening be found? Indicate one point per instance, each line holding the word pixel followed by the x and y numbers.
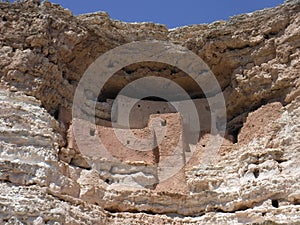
pixel 56 114
pixel 275 203
pixel 256 173
pixel 108 181
pixel 92 132
pixel 235 132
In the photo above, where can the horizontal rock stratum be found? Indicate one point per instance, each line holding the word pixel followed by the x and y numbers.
pixel 46 178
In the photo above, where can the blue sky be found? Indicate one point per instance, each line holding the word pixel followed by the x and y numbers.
pixel 172 13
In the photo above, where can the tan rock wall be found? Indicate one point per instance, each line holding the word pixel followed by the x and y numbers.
pixel 44 50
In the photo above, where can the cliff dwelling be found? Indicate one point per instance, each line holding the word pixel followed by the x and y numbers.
pixel 136 159
pixel 171 137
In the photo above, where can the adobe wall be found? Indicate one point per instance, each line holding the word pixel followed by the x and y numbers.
pixel 172 146
pixel 142 109
pixel 164 151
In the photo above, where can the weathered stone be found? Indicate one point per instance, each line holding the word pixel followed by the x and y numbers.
pixel 46 179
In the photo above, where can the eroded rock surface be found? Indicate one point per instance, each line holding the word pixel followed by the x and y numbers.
pixel 45 179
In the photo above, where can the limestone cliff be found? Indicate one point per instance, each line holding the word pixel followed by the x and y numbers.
pixel 44 178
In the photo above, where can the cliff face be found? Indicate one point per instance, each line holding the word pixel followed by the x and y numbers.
pixel 44 52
